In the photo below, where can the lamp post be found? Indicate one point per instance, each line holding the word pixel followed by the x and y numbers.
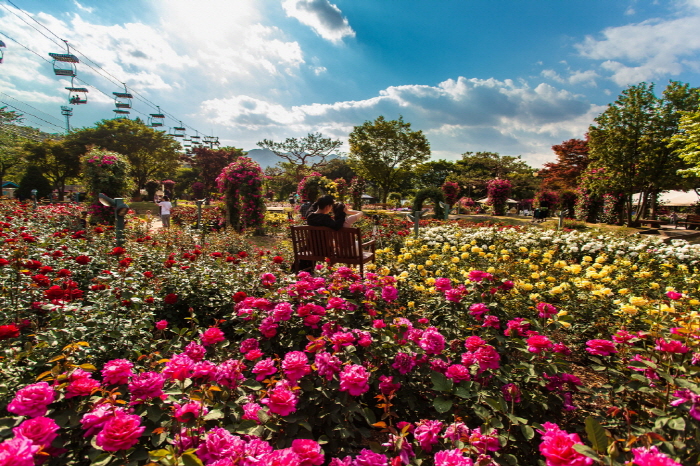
pixel 120 210
pixel 199 203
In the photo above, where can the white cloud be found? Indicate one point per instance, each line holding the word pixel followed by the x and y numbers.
pixel 647 50
pixel 83 7
pixel 458 115
pixel 322 16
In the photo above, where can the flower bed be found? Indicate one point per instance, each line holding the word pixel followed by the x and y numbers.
pixel 465 346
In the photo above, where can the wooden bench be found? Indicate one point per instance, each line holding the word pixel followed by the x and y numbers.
pixel 691 222
pixel 652 223
pixel 339 247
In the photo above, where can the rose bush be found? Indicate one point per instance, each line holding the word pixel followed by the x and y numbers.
pixel 463 346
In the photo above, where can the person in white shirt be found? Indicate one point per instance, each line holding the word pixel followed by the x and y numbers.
pixel 165 207
pixel 340 211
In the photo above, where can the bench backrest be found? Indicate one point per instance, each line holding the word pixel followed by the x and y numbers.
pixel 318 243
pixel 694 218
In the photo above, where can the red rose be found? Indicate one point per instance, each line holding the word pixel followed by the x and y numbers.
pixel 8 331
pixel 170 298
pixel 278 259
pixel 239 296
pixel 83 260
pixel 242 254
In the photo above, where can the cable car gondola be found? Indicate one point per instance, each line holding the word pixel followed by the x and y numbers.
pixel 64 63
pixel 76 95
pixel 156 119
pixel 178 131
pixel 2 54
pixel 122 99
pixel 118 113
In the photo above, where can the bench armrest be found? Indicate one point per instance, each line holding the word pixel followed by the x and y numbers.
pixel 369 243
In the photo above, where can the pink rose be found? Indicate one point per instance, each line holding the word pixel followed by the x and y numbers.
pixel 601 347
pixel 309 452
pixel 121 432
pixel 263 369
pixel 145 386
pixel 295 365
pixel 651 457
pixel 389 293
pixel 179 367
pixel 18 451
pixel 281 400
pixel 190 411
pixel 558 447
pixel 162 324
pixel 40 430
pixel 250 412
pixel 428 433
pixel 369 458
pixel 117 372
pixel 212 336
pixel 538 344
pixel 354 379
pixel 32 400
pixel 452 458
pixel 327 364
pixel 458 373
pixel 432 341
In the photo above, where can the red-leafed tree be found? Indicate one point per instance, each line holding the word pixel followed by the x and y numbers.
pixel 209 163
pixel 572 160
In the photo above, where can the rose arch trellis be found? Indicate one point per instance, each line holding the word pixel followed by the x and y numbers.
pixel 241 184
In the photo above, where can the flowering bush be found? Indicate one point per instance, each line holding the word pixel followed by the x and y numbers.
pixel 241 181
pixel 498 194
pixel 451 191
pixel 357 189
pixel 465 346
pixel 106 172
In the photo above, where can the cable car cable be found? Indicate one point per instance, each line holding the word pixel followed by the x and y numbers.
pixel 31 114
pixel 30 106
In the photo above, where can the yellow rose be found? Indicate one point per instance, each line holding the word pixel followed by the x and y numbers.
pixel 638 301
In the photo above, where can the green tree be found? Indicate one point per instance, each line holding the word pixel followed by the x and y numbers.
pixel 57 162
pixel 338 168
pixel 151 153
pixel 433 173
pixel 686 143
pixel 630 144
pixel 11 142
pixel 475 169
pixel 305 154
pixel 387 152
pixel 210 162
pixel 33 178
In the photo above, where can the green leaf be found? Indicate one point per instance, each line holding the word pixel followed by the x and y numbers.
pixel 596 435
pixel 102 460
pixel 442 405
pixel 190 459
pixel 440 382
pixel 213 414
pixel 586 450
pixel 677 423
pixel 528 432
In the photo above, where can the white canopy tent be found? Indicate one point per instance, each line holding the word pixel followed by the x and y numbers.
pixel 509 201
pixel 674 198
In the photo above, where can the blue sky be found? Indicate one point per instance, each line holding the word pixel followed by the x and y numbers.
pixel 513 77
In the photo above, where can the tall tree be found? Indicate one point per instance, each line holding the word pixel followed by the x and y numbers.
pixel 686 143
pixel 338 168
pixel 475 169
pixel 305 154
pixel 572 161
pixel 151 153
pixel 210 163
pixel 56 161
pixel 629 144
pixel 433 173
pixel 11 142
pixel 387 152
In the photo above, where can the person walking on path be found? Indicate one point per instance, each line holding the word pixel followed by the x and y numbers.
pixel 165 208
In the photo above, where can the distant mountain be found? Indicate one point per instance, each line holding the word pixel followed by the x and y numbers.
pixel 267 158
